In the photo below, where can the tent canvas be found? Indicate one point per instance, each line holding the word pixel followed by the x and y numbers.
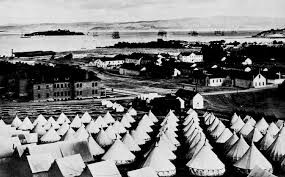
pixel 143 172
pixel 40 162
pixel 103 169
pixel 81 147
pixel 69 166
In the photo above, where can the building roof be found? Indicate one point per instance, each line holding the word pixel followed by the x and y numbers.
pixel 189 53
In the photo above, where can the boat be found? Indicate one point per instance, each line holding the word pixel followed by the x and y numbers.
pixel 193 33
pixel 219 33
pixel 116 35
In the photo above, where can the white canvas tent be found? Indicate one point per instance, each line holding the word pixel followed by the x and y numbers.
pixel 206 163
pixel 103 169
pixel 143 172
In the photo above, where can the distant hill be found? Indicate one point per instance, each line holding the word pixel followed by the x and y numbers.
pixel 273 33
pixel 187 24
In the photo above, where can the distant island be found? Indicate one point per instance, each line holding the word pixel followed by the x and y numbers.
pixel 58 32
pixel 273 33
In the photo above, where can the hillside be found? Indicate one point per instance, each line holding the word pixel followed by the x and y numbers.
pixel 264 103
pixel 192 23
pixel 273 33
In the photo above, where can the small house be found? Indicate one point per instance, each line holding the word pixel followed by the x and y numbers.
pixel 215 80
pixel 259 81
pixel 107 63
pixel 193 98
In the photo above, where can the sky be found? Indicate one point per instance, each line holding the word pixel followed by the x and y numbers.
pixel 65 11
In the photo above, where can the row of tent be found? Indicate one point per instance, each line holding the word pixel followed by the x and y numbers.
pixel 238 142
pixel 115 106
pixel 202 161
pixel 120 151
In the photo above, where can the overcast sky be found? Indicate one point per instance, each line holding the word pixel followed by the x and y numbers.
pixel 41 11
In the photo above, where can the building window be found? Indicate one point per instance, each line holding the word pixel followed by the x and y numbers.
pixel 39 95
pixel 47 86
pixel 96 91
pixel 65 85
pixel 80 92
pixel 263 83
pixel 54 94
pixel 80 84
pixel 47 95
pixel 65 93
pixel 92 91
pixel 96 84
pixel 61 85
pixel 39 87
pixel 68 85
pixel 61 93
pixel 92 84
pixel 68 93
pixel 54 85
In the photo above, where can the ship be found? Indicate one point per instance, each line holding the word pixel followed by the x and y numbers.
pixel 116 35
pixel 219 33
pixel 162 33
pixel 193 33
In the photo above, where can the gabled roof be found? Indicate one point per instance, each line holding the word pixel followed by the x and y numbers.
pixel 40 162
pixel 252 158
pixel 103 169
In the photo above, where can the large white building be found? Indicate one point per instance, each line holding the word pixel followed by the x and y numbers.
pixel 198 101
pixel 192 57
pixel 107 63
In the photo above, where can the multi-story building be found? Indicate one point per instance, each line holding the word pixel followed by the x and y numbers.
pixel 88 89
pixel 191 57
pixel 67 90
